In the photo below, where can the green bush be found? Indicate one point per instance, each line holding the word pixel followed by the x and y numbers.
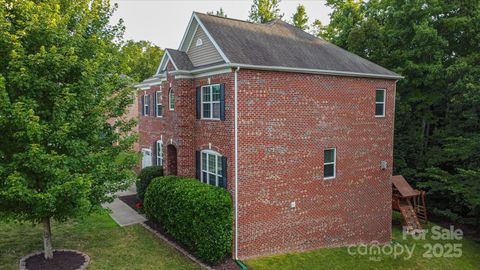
pixel 196 214
pixel 145 177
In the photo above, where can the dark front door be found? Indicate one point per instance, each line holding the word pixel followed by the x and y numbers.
pixel 172 159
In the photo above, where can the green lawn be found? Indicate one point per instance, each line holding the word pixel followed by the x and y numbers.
pixel 108 245
pixel 339 258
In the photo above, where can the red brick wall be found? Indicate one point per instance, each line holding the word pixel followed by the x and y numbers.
pixel 181 128
pixel 286 120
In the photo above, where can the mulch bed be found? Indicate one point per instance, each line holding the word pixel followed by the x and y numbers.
pixel 132 200
pixel 62 260
pixel 227 263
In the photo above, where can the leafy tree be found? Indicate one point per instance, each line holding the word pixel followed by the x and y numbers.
pixel 219 13
pixel 60 82
pixel 300 18
pixel 263 11
pixel 140 59
pixel 436 46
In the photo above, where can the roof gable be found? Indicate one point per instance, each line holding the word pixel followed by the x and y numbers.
pixel 201 50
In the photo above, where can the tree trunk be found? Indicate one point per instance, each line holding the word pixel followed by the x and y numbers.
pixel 47 239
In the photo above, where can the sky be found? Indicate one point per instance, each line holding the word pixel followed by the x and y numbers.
pixel 163 22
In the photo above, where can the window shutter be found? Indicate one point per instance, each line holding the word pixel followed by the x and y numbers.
pixel 143 105
pixel 199 102
pixel 154 154
pixel 224 172
pixel 155 104
pixel 222 102
pixel 148 104
pixel 197 164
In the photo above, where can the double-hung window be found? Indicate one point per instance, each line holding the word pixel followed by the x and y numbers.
pixel 211 101
pixel 158 104
pixel 171 99
pixel 380 103
pixel 211 168
pixel 146 105
pixel 159 153
pixel 329 163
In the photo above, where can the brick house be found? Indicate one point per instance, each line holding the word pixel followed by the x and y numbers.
pixel 298 130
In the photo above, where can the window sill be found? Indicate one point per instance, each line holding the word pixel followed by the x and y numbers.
pixel 209 119
pixel 379 116
pixel 329 178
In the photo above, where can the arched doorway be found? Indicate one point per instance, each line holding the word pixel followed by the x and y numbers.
pixel 171 160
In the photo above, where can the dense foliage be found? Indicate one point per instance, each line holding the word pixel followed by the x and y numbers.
pixel 263 11
pixel 300 18
pixel 140 59
pixel 59 84
pixel 196 214
pixel 436 46
pixel 145 177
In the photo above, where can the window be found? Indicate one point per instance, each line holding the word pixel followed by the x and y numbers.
pixel 159 153
pixel 171 99
pixel 329 163
pixel 380 103
pixel 199 42
pixel 211 168
pixel 158 105
pixel 211 101
pixel 146 105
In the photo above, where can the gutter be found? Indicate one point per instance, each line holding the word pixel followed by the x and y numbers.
pixel 236 161
pixel 286 69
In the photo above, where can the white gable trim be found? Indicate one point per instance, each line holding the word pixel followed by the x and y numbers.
pixel 165 61
pixel 193 19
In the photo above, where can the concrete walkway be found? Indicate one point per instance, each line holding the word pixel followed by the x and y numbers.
pixel 121 212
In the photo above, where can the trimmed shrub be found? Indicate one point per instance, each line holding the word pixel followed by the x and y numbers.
pixel 145 177
pixel 196 214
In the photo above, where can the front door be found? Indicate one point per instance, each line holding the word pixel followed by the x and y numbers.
pixel 172 159
pixel 146 157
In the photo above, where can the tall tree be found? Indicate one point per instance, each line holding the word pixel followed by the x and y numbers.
pixel 60 81
pixel 140 59
pixel 219 13
pixel 263 11
pixel 436 46
pixel 300 18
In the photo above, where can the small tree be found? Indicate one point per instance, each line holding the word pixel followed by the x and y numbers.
pixel 59 84
pixel 300 18
pixel 219 13
pixel 263 11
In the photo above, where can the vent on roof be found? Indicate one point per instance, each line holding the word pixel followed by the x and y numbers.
pixel 199 42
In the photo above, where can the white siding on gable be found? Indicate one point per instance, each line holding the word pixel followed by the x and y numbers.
pixel 204 54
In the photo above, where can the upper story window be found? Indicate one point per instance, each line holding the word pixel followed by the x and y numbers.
pixel 158 104
pixel 171 99
pixel 146 104
pixel 380 103
pixel 212 168
pixel 158 153
pixel 199 42
pixel 211 102
pixel 329 163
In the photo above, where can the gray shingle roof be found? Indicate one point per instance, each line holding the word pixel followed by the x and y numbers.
pixel 280 44
pixel 180 59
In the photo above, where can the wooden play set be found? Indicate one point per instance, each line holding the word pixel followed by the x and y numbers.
pixel 410 203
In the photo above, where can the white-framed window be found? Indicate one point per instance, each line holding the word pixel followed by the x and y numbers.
pixel 158 100
pixel 329 163
pixel 211 101
pixel 171 99
pixel 380 103
pixel 159 154
pixel 146 104
pixel 211 164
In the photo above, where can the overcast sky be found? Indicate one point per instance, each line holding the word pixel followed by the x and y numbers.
pixel 163 22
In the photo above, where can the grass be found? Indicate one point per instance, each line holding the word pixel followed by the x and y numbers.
pixel 108 245
pixel 339 258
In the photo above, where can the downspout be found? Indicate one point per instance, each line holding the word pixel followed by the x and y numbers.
pixel 236 161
